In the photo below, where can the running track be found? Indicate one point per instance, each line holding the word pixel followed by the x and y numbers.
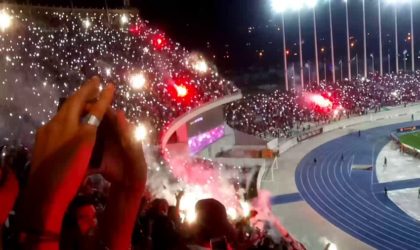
pixel 346 198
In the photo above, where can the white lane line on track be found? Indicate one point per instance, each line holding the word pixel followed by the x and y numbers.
pixel 329 197
pixel 324 182
pixel 337 221
pixel 387 211
pixel 359 205
pixel 386 215
pixel 390 210
pixel 397 215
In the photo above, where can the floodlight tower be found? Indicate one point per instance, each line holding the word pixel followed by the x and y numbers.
pixel 348 41
pixel 332 44
pixel 300 53
pixel 381 67
pixel 312 5
pixel 364 41
pixel 396 4
pixel 280 6
pixel 413 63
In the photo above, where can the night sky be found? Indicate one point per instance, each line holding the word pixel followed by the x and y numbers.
pixel 232 33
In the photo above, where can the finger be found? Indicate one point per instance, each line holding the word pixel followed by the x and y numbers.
pixel 74 106
pixel 126 132
pixel 111 117
pixel 104 103
pixel 123 127
pixel 38 152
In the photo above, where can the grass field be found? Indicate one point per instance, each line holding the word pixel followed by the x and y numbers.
pixel 412 140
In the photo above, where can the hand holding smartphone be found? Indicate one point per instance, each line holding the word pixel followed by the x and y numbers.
pixel 98 150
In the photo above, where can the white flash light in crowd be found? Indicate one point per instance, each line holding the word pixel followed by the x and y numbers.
pixel 246 208
pixel 87 23
pixel 108 72
pixel 137 81
pixel 5 20
pixel 124 19
pixel 140 132
pixel 201 66
pixel 232 213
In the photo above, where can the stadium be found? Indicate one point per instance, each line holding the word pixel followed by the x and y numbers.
pixel 116 136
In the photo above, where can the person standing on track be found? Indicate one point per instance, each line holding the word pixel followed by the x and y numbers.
pixel 315 161
pixel 360 133
pixel 385 162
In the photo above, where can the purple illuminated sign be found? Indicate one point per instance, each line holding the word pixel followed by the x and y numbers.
pixel 199 142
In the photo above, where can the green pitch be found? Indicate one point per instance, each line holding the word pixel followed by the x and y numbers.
pixel 412 140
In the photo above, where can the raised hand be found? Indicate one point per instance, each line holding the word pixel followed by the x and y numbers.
pixel 61 155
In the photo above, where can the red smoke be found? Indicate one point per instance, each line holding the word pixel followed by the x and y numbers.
pixel 320 101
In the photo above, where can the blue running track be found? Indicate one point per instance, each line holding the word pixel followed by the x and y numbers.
pixel 348 198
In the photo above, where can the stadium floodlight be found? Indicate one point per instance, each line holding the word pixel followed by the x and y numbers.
pixel 297 5
pixel 279 6
pixel 5 20
pixel 396 2
pixel 311 3
pixel 282 6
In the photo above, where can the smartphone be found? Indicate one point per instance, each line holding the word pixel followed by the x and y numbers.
pixel 219 244
pixel 98 150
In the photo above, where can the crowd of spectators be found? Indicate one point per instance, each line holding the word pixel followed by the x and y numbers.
pixel 279 113
pixel 51 198
pixel 48 204
pixel 49 53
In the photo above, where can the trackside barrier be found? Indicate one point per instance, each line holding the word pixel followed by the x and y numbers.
pixel 400 111
pixel 404 147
